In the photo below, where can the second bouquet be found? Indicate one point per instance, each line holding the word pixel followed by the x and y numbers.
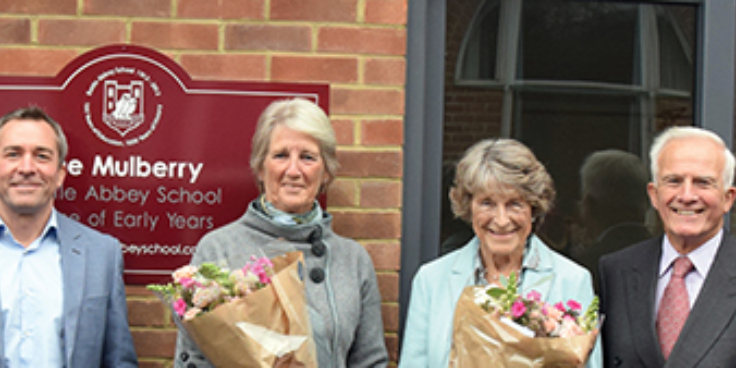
pixel 255 316
pixel 497 327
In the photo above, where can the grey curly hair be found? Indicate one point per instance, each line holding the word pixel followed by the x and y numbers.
pixel 501 163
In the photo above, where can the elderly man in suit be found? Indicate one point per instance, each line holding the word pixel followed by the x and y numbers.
pixel 62 295
pixel 671 301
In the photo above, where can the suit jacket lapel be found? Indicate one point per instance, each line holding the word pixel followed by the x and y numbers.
pixel 73 269
pixel 641 284
pixel 715 304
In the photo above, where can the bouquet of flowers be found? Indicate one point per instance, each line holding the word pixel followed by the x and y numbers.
pixel 200 289
pixel 498 327
pixel 255 316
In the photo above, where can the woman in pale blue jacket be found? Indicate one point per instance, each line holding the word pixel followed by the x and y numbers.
pixel 503 192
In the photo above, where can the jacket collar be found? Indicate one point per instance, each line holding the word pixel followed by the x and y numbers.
pixel 537 266
pixel 716 304
pixel 538 273
pixel 640 277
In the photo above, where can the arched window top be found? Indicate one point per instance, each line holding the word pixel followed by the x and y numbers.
pixel 579 44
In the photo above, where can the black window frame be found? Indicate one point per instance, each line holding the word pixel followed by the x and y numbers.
pixel 423 122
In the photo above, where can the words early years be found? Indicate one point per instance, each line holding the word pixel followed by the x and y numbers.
pixel 148 221
pixel 137 167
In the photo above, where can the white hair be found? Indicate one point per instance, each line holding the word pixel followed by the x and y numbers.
pixel 683 132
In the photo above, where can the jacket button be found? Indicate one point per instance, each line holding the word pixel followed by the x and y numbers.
pixel 316 235
pixel 317 275
pixel 191 365
pixel 184 356
pixel 318 249
pixel 617 361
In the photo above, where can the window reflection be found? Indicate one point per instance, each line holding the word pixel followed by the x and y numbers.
pixel 563 129
pixel 569 79
pixel 613 208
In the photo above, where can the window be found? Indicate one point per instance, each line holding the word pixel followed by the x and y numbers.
pixel 570 78
pixel 436 32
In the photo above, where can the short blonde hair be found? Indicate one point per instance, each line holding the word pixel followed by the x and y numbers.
pixel 302 116
pixel 497 164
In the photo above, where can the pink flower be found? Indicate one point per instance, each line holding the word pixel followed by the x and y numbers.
pixel 259 268
pixel 518 309
pixel 180 306
pixel 534 296
pixel 560 307
pixel 574 305
pixel 266 262
pixel 188 283
pixel 264 278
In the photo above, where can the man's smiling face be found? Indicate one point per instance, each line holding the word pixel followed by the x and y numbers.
pixel 689 192
pixel 30 170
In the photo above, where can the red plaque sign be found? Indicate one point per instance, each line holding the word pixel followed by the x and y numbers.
pixel 155 159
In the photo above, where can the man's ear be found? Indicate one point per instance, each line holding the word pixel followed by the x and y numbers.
pixel 729 197
pixel 61 176
pixel 652 192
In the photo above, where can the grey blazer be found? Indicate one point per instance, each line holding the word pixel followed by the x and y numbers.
pixel 96 332
pixel 628 292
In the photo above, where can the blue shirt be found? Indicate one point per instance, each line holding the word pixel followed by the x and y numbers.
pixel 31 299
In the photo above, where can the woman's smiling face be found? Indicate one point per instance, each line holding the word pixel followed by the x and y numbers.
pixel 502 221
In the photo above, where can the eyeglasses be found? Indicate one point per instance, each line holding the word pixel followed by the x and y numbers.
pixel 319 249
pixel 513 207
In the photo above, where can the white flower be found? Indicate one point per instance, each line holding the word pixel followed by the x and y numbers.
pixel 187 271
pixel 206 296
pixel 191 313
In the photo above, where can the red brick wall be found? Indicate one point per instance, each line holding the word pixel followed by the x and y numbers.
pixel 357 46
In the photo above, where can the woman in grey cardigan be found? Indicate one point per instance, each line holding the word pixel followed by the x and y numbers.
pixel 294 159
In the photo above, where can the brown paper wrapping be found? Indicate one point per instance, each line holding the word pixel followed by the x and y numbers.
pixel 280 307
pixel 483 340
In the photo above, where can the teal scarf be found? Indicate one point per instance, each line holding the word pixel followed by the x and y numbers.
pixel 284 218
